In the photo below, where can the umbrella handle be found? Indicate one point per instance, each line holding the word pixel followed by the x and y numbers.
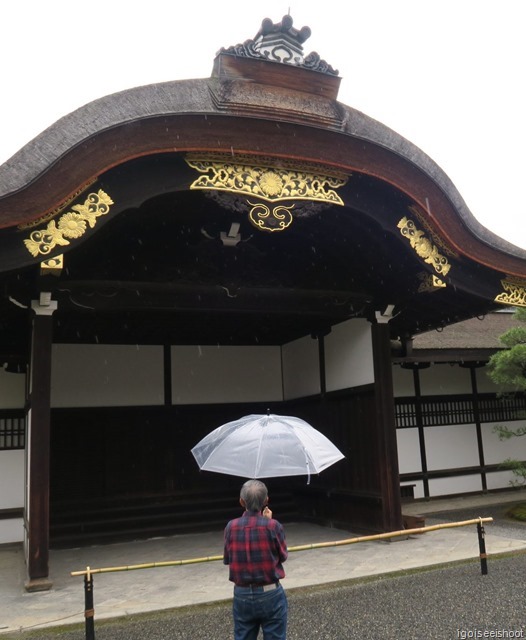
pixel 307 463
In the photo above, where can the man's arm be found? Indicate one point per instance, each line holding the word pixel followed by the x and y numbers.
pixel 226 553
pixel 281 542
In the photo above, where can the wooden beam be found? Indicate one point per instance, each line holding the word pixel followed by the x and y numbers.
pixel 129 296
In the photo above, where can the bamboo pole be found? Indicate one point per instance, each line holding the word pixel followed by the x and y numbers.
pixel 304 547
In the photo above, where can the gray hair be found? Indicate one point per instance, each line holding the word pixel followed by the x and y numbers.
pixel 254 493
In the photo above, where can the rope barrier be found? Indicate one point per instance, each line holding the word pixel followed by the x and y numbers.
pixel 304 547
pixel 88 573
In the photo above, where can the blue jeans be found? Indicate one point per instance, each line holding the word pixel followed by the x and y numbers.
pixel 254 608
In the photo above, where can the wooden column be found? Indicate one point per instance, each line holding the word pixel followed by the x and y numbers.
pixel 37 467
pixel 387 450
pixel 420 424
pixel 473 366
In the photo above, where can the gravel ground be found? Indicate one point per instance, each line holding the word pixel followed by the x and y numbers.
pixel 453 601
pixel 501 525
pixel 425 605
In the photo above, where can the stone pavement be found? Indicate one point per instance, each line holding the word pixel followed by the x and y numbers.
pixel 139 591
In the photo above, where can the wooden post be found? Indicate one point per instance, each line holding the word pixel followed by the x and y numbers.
pixel 386 425
pixel 38 443
pixel 478 425
pixel 89 610
pixel 482 549
pixel 420 426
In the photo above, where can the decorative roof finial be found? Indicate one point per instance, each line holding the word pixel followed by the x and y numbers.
pixel 281 42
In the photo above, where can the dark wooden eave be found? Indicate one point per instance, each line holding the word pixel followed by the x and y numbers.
pixel 134 144
pixel 182 117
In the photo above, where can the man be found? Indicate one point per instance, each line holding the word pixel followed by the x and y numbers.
pixel 255 548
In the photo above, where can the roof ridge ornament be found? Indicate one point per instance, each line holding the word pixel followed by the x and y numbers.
pixel 281 42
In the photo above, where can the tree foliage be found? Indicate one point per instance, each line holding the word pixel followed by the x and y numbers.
pixel 507 368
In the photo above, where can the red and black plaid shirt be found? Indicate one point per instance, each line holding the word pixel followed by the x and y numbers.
pixel 255 549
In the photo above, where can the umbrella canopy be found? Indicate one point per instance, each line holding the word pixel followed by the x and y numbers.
pixel 266 446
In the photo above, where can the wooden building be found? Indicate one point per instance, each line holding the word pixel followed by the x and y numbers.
pixel 181 254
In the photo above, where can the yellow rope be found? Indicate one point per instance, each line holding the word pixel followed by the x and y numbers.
pixel 305 547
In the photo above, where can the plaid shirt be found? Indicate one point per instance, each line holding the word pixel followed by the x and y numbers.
pixel 255 549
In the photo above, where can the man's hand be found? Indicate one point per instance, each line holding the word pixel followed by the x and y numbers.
pixel 267 513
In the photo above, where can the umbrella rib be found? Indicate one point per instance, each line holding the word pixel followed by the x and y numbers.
pixel 260 447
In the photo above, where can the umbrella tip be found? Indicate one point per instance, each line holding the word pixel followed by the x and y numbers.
pixel 268 411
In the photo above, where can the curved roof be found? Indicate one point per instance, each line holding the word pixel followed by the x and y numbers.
pixel 386 225
pixel 72 137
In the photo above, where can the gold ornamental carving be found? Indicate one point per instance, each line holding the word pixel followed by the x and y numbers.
pixel 514 293
pixel 422 216
pixel 267 219
pixel 70 225
pixel 269 180
pixel 423 247
pixel 430 282
pixel 52 266
pixel 54 212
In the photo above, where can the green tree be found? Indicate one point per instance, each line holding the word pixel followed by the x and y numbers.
pixel 507 368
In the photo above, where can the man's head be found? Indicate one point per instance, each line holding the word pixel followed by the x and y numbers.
pixel 254 495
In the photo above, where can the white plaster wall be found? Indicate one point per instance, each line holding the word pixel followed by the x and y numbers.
pixel 499 480
pixel 451 447
pixel 418 490
pixel 444 379
pixel 403 384
pixel 11 494
pixel 460 484
pixel 495 450
pixel 11 530
pixel 106 375
pixel 408 450
pixel 349 355
pixel 12 390
pixel 301 368
pixel 11 479
pixel 441 379
pixel 206 375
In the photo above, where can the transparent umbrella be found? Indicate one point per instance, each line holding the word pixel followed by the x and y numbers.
pixel 266 446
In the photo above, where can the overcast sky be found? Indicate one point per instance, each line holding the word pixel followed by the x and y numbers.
pixel 448 75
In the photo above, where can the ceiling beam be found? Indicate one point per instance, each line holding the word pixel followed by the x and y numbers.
pixel 128 296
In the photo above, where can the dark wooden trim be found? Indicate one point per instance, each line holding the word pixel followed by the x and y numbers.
pixel 12 514
pixel 321 359
pixel 445 356
pixel 12 436
pixel 452 410
pixel 386 427
pixel 39 443
pixel 420 426
pixel 452 473
pixel 478 426
pixel 12 413
pixel 232 67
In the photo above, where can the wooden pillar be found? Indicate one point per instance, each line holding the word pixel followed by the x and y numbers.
pixel 38 449
pixel 473 366
pixel 320 337
pixel 420 424
pixel 387 449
